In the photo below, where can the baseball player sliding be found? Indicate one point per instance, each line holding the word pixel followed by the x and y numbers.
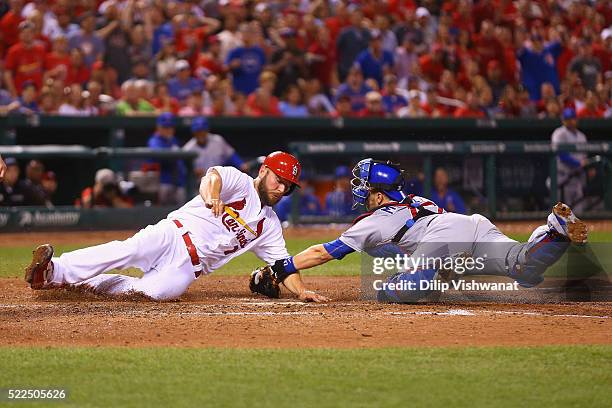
pixel 231 215
pixel 398 224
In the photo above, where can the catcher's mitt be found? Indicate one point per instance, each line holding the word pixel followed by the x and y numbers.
pixel 263 281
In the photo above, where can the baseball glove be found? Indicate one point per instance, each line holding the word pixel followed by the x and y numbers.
pixel 263 281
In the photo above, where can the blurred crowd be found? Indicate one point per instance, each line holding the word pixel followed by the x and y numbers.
pixel 368 58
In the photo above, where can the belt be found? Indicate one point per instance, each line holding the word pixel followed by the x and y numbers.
pixel 193 254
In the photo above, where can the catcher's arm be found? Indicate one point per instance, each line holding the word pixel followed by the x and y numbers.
pixel 314 256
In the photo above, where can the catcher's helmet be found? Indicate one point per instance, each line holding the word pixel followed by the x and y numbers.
pixel 286 166
pixel 380 175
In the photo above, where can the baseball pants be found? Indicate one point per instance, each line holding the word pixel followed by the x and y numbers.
pixel 158 250
pixel 450 234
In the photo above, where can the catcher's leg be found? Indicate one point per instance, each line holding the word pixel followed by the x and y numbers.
pixel 527 262
pixel 144 250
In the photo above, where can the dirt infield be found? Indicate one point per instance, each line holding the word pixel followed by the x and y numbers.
pixel 220 311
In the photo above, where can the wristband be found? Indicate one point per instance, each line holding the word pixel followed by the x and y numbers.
pixel 283 268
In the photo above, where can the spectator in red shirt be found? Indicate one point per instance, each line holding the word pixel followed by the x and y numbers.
pixel 487 47
pixel 591 107
pixel 495 80
pixel 338 21
pixel 510 65
pixel 321 57
pixel 552 110
pixel 603 50
pixel 9 26
pixel 344 108
pixel 162 101
pixel 262 101
pixel 48 104
pixel 78 72
pixel 24 61
pixel 432 65
pixel 374 107
pixel 472 108
pixel 190 39
pixel 432 105
pixel 209 62
pixel 547 92
pixel 58 60
pixel 462 16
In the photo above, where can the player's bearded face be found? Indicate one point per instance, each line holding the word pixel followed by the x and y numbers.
pixel 272 188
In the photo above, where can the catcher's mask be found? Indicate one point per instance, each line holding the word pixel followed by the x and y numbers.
pixel 371 174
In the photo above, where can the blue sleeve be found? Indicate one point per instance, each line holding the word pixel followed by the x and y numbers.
pixel 328 202
pixel 389 58
pixel 360 59
pixel 338 249
pixel 283 208
pixel 231 55
pixel 555 49
pixel 234 160
pixel 341 90
pixel 567 158
pixel 154 143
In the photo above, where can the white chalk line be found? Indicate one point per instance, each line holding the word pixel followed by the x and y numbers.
pixel 462 312
pixel 450 312
pixel 247 313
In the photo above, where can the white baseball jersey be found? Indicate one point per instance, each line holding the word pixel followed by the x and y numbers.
pixel 220 239
pixel 216 152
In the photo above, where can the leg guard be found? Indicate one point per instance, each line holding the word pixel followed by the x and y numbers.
pixel 405 287
pixel 530 261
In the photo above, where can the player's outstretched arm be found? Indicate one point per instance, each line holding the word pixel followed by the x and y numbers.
pixel 210 191
pixel 309 258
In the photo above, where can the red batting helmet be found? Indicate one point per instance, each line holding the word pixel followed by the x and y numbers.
pixel 286 166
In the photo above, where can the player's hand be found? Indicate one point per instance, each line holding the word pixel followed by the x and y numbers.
pixel 310 296
pixel 216 205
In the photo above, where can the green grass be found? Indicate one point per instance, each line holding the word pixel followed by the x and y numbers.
pixel 461 377
pixel 14 259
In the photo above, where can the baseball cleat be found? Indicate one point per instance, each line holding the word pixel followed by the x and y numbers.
pixel 40 270
pixel 566 223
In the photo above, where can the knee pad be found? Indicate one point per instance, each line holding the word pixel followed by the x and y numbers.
pixel 406 286
pixel 537 257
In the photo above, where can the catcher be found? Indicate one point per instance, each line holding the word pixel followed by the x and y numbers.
pixel 398 224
